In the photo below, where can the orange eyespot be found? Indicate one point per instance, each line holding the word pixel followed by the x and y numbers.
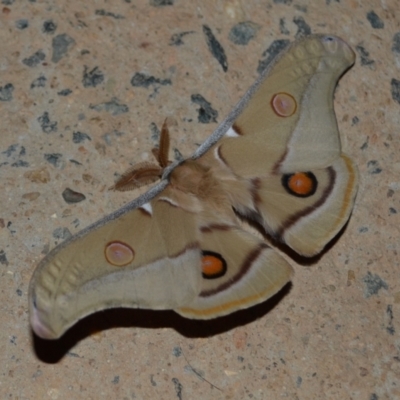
pixel 119 254
pixel 212 265
pixel 300 184
pixel 283 104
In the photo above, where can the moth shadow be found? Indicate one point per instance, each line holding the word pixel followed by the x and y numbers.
pixel 52 351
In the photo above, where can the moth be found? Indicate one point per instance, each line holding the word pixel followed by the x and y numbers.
pixel 276 159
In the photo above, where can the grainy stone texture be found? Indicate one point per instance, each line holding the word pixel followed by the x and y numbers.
pixel 72 116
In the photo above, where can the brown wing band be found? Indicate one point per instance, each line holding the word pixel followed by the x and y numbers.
pixel 246 265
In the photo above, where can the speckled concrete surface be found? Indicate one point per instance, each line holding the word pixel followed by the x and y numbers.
pixel 84 88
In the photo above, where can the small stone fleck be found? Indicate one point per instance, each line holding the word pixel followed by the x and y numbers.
pixel 113 107
pixel 282 27
pixel 243 32
pixel 396 43
pixel 31 196
pixel 395 89
pixel 144 80
pixel 105 13
pixel 47 125
pixel 373 167
pixel 38 175
pixel 54 159
pixel 64 92
pixel 161 3
pixel 351 277
pixel 177 351
pixel 61 44
pixel 303 29
pixel 71 197
pixel 35 59
pixel 364 56
pixel 155 132
pixel 3 258
pixel 39 82
pixel 176 39
pixel 20 163
pixel 206 113
pixel 92 78
pixel 389 314
pixel 79 137
pixel 178 388
pixel 178 155
pixel 215 47
pixel 71 354
pixel 22 24
pixel 6 92
pixel 373 284
pixel 61 233
pixel 374 20
pixel 49 26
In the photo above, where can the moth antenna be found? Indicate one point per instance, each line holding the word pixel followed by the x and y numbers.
pixel 163 149
pixel 139 175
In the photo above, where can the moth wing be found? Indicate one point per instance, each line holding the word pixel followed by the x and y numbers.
pixel 307 221
pixel 148 257
pixel 288 122
pixel 287 126
pixel 254 272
